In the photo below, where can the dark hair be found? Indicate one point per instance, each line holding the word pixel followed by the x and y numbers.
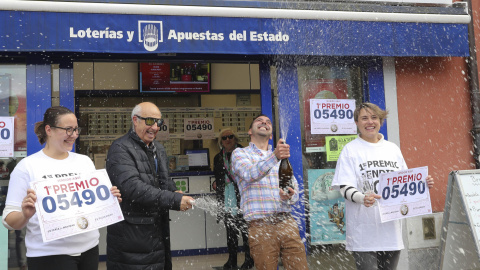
pixel 50 117
pixel 260 115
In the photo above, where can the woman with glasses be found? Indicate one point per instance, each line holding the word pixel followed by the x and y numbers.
pixel 58 131
pixel 228 198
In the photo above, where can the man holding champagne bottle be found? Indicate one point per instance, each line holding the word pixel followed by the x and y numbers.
pixel 266 207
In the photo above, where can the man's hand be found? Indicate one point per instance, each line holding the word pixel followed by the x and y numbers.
pixel 430 181
pixel 186 203
pixel 116 193
pixel 282 151
pixel 287 196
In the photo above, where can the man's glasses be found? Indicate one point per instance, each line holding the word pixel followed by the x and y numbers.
pixel 69 130
pixel 149 121
pixel 224 138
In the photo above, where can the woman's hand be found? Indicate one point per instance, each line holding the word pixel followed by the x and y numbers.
pixel 370 199
pixel 116 192
pixel 28 204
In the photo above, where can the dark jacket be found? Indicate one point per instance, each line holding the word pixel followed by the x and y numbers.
pixel 142 240
pixel 220 172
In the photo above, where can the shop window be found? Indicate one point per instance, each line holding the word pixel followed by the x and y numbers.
pixel 12 108
pixel 320 151
pixel 104 109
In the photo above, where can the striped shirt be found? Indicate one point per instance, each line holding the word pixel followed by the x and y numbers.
pixel 256 174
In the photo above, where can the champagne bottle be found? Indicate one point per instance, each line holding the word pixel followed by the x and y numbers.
pixel 285 174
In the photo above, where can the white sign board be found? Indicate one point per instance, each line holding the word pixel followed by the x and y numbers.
pixel 332 116
pixel 404 194
pixel 6 136
pixel 459 242
pixel 75 204
pixel 198 128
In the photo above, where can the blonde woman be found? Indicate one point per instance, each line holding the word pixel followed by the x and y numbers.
pixel 229 199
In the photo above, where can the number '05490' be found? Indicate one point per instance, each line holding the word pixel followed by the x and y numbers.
pixel 408 188
pixel 340 114
pixel 87 196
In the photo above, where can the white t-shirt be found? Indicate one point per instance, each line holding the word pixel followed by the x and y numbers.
pixel 359 165
pixel 35 167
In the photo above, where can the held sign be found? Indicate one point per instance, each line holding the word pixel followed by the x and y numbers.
pixel 75 204
pixel 404 194
pixel 332 116
pixel 6 136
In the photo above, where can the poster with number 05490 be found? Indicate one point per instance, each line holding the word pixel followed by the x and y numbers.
pixel 404 194
pixel 76 204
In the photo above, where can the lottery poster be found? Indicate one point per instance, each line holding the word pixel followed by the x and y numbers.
pixel 327 208
pixel 332 116
pixel 76 204
pixel 319 89
pixel 6 136
pixel 404 194
pixel 198 128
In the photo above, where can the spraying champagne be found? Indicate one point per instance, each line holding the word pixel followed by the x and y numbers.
pixel 285 174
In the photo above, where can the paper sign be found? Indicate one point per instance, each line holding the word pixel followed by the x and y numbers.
pixel 164 131
pixel 6 136
pixel 75 204
pixel 198 128
pixel 332 116
pixel 335 144
pixel 404 194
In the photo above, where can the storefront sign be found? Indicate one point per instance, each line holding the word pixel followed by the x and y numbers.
pixel 335 144
pixel 327 208
pixel 404 194
pixel 121 33
pixel 75 204
pixel 6 136
pixel 332 116
pixel 198 128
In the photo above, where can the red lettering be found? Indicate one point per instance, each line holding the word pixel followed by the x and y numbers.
pixel 56 188
pixel 94 181
pixel 48 192
pixel 79 185
pixel 63 187
pixel 71 187
pixel 2 124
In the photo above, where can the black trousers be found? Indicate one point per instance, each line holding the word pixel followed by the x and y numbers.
pixel 88 260
pixel 236 226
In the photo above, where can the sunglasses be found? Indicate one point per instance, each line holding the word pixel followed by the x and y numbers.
pixel 224 138
pixel 149 121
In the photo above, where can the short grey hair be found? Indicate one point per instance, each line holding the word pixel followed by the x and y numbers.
pixel 136 111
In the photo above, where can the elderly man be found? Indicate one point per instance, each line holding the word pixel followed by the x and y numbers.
pixel 137 165
pixel 272 231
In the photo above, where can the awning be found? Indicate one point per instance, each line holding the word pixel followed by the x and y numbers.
pixel 210 32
